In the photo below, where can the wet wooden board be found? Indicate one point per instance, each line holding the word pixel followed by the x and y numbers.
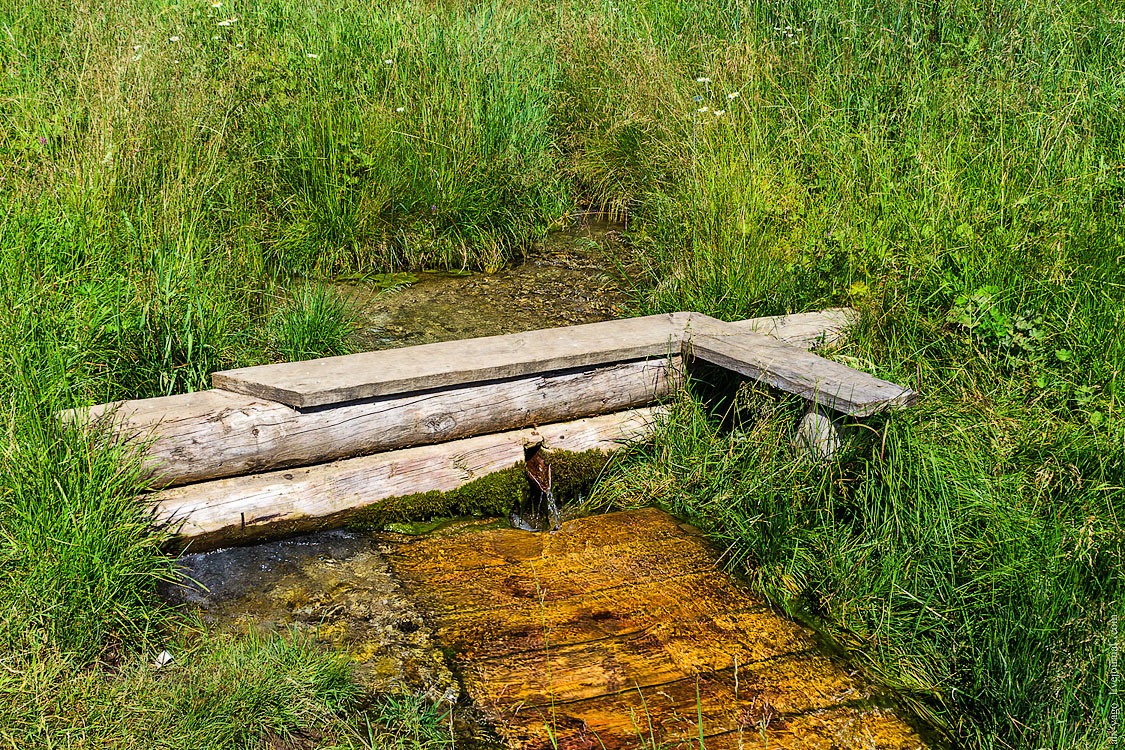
pixel 620 630
pixel 242 509
pixel 794 370
pixel 213 434
pixel 337 380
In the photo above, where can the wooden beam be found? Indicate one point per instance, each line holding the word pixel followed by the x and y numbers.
pixel 793 370
pixel 241 509
pixel 811 330
pixel 336 380
pixel 212 434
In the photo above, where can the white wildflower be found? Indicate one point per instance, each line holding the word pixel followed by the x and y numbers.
pixel 216 4
pixel 720 112
pixel 311 55
pixel 733 95
pixel 238 46
pixel 701 109
pixel 400 109
pixel 702 80
pixel 388 61
pixel 173 39
pixel 225 22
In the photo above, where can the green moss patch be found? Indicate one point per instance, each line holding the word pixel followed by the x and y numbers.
pixel 495 494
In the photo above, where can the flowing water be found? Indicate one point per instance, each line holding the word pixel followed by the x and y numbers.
pixel 570 277
pixel 479 614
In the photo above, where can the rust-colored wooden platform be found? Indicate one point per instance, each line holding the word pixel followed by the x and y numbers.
pixel 618 631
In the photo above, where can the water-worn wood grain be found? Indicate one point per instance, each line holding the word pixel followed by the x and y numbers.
pixel 620 630
pixel 213 434
pixel 240 509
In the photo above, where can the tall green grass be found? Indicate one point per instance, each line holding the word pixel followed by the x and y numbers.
pixel 956 171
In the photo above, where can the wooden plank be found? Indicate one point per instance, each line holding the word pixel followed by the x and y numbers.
pixel 239 509
pixel 811 330
pixel 214 434
pixel 336 380
pixel 793 370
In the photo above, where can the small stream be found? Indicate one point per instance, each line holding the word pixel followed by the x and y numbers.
pixel 566 279
pixel 336 584
pixel 339 585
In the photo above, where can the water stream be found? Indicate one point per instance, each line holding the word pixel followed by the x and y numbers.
pixel 340 585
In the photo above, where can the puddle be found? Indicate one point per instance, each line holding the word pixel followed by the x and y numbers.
pixel 566 279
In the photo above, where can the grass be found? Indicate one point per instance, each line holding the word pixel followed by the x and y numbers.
pixel 954 170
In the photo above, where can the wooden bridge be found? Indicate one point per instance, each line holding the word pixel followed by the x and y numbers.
pixel 615 631
pixel 298 446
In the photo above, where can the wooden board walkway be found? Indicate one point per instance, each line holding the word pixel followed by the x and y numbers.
pixel 394 420
pixel 620 630
pixel 355 377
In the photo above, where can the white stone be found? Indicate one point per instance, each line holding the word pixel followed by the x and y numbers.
pixel 818 437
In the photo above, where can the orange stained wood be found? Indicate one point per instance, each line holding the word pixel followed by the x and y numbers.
pixel 622 631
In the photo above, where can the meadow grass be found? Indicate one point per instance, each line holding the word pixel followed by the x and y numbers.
pixel 176 178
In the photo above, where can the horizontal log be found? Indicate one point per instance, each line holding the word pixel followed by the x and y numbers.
pixel 242 509
pixel 793 370
pixel 213 434
pixel 336 380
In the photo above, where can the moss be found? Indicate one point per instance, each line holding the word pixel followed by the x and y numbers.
pixel 494 494
pixel 573 474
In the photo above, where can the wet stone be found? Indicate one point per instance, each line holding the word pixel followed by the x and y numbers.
pixel 334 585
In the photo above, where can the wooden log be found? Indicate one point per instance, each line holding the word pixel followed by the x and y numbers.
pixel 241 509
pixel 213 434
pixel 794 370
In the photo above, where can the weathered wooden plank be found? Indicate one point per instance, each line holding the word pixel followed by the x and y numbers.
pixel 794 370
pixel 240 509
pixel 336 380
pixel 811 330
pixel 213 434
